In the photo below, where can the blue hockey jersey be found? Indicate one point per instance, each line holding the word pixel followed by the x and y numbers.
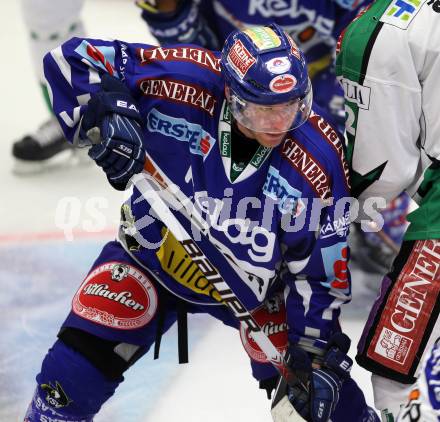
pixel 281 221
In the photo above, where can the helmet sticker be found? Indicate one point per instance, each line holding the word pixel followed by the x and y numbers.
pixel 263 37
pixel 282 83
pixel 293 47
pixel 278 65
pixel 240 59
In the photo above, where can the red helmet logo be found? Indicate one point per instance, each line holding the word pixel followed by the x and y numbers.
pixel 282 83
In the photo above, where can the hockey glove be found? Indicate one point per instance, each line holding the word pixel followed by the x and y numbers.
pixel 112 123
pixel 185 25
pixel 316 395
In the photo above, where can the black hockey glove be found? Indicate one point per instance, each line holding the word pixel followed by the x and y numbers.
pixel 185 25
pixel 316 393
pixel 112 124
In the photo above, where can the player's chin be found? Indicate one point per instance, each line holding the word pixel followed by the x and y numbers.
pixel 270 140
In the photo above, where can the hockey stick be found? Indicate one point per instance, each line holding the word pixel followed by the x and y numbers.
pixel 385 238
pixel 282 409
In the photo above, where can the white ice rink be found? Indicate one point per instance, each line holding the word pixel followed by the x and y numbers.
pixel 40 270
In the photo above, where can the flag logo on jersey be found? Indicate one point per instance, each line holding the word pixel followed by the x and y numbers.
pixel 126 301
pixel 101 56
pixel 294 48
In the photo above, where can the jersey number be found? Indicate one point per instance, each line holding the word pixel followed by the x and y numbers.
pixel 435 5
pixel 349 120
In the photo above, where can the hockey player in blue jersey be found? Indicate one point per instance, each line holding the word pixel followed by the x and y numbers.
pixel 315 25
pixel 258 179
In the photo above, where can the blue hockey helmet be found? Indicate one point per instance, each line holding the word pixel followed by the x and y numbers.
pixel 266 75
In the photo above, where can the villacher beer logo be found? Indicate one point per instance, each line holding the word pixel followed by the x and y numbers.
pixel 271 317
pixel 124 303
pixel 282 83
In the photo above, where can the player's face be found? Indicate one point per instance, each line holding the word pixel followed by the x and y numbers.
pixel 266 123
pixel 269 140
pixel 275 119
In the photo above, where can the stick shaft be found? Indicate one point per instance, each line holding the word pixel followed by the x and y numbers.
pixel 144 183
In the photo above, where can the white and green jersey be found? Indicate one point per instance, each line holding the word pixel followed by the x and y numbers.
pixel 389 66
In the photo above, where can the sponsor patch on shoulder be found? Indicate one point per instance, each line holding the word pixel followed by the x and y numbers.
pixel 116 295
pixel 199 56
pixel 101 56
pixel 308 167
pixel 400 13
pixel 356 93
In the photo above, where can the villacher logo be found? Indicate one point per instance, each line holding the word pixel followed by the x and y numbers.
pixel 124 303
